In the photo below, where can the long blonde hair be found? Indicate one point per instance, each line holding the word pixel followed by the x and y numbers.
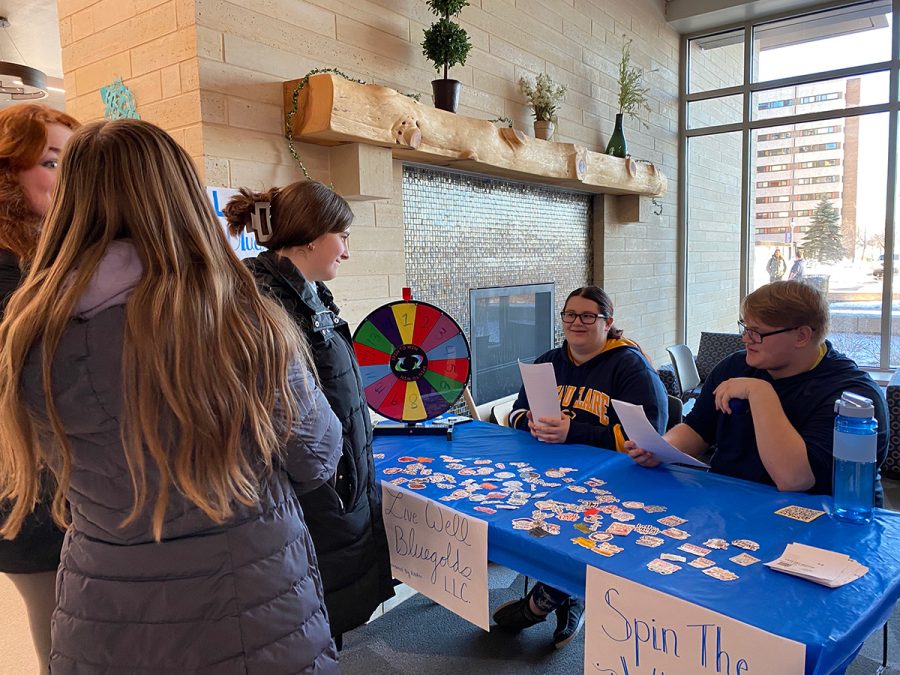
pixel 205 357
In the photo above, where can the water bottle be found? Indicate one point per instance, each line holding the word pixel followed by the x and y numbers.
pixel 855 429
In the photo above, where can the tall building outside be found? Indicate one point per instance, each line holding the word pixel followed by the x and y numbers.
pixel 799 165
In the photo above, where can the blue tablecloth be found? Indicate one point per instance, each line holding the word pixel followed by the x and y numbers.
pixel 832 623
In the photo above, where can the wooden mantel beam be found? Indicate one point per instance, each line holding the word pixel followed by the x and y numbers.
pixel 333 111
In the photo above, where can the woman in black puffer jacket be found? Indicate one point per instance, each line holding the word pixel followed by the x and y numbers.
pixel 304 228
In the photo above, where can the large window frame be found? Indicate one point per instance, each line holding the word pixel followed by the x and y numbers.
pixel 747 126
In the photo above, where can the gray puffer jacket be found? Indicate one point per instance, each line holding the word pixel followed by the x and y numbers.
pixel 240 597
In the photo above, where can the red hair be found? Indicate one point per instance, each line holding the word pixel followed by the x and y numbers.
pixel 23 137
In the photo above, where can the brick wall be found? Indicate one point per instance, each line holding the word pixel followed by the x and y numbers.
pixel 151 45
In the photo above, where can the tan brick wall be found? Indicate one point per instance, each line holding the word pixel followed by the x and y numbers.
pixel 151 45
pixel 246 50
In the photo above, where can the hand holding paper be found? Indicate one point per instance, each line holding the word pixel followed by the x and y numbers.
pixel 639 430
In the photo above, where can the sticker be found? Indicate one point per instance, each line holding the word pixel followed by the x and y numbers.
pixel 746 544
pixel 581 527
pixel 651 542
pixel 719 573
pixel 662 567
pixel 522 523
pixel 671 521
pixel 415 485
pixel 744 559
pixel 672 557
pixel 675 533
pixel 701 563
pixel 600 536
pixel 580 489
pixel 620 529
pixel 607 549
pixel 693 549
pixel 719 544
pixel 646 529
pixel 583 541
pixel 485 509
pixel 800 513
pixel 568 517
pixel 622 516
pixel 654 509
pixel 406 459
pixel 633 505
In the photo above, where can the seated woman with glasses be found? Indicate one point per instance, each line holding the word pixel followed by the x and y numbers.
pixel 594 365
pixel 769 410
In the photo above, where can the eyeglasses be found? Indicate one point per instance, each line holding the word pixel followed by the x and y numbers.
pixel 587 318
pixel 756 337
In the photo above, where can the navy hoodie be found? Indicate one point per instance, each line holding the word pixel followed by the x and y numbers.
pixel 808 402
pixel 585 391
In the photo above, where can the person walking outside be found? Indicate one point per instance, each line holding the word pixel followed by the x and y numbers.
pixel 776 267
pixel 798 269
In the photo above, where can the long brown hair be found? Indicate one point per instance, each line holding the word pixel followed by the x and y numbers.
pixel 301 213
pixel 205 357
pixel 23 137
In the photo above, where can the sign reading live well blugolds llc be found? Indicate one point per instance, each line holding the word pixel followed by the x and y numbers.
pixel 635 630
pixel 244 244
pixel 439 551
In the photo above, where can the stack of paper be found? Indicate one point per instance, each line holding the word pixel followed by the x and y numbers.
pixel 816 564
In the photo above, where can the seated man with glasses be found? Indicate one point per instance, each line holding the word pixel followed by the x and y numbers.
pixel 769 410
pixel 594 365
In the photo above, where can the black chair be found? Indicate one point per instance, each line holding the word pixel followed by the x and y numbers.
pixel 676 408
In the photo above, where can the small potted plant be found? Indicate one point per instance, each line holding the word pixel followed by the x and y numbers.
pixel 633 100
pixel 446 44
pixel 544 95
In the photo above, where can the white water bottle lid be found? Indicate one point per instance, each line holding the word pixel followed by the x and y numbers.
pixel 854 405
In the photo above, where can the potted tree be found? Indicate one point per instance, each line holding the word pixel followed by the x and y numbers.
pixel 633 100
pixel 446 44
pixel 544 96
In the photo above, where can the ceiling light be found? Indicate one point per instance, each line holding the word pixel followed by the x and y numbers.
pixel 19 82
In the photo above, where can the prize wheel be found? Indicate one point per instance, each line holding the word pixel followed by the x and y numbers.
pixel 414 360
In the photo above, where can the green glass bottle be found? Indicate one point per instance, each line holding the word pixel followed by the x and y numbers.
pixel 617 146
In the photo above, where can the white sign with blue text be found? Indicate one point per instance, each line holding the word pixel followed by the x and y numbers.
pixel 438 551
pixel 635 630
pixel 245 243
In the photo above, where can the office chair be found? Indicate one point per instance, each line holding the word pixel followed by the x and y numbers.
pixel 685 371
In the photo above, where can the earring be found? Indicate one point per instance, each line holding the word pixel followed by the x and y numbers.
pixel 311 247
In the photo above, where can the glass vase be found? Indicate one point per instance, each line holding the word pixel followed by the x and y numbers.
pixel 617 146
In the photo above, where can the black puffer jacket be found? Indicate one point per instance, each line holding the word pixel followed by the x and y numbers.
pixel 37 547
pixel 343 516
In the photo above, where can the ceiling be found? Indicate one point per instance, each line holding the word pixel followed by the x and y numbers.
pixel 33 39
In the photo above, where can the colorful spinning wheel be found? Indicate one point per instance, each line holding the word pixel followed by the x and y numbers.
pixel 414 360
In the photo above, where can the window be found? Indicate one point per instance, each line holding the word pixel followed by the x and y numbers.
pixel 826 124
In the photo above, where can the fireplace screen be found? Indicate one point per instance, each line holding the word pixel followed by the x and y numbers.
pixel 509 324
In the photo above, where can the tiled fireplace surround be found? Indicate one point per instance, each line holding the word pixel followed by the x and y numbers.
pixel 466 231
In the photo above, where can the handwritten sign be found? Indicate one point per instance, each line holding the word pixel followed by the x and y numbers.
pixel 244 245
pixel 635 630
pixel 439 551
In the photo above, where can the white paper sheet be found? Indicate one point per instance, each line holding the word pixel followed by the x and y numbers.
pixel 828 568
pixel 540 388
pixel 439 551
pixel 636 630
pixel 639 430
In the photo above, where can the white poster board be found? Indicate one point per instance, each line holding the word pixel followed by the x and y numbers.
pixel 439 551
pixel 635 630
pixel 244 244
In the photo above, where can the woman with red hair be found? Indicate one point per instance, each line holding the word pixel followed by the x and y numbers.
pixel 32 137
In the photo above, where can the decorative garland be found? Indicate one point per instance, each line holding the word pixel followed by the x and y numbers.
pixel 295 101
